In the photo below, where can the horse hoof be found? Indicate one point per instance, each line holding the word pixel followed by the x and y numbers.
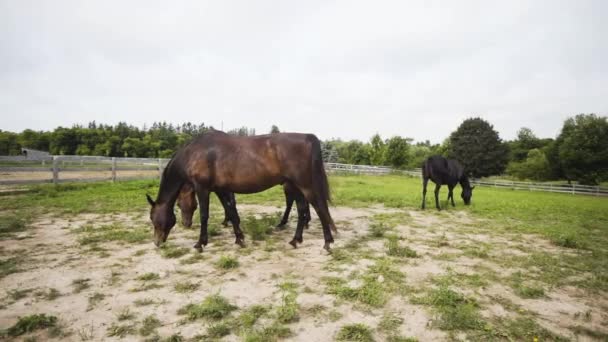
pixel 294 243
pixel 326 247
pixel 241 243
pixel 198 247
pixel 280 226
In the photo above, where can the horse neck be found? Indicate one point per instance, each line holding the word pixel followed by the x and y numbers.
pixel 170 186
pixel 464 182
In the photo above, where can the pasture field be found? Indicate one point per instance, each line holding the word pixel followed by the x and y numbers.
pixel 77 263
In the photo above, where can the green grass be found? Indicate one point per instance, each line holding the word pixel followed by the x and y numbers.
pixel 251 315
pixel 171 251
pixel 31 323
pixel 185 287
pixel 18 293
pixel 218 330
pixel 288 311
pixel 259 229
pixel 94 299
pixel 144 302
pixel 125 315
pixel 355 332
pixel 149 325
pixel 11 265
pixel 113 232
pixel 11 224
pixel 396 250
pixel 213 307
pixel 390 322
pixel 270 333
pixel 455 311
pixel 148 276
pixel 227 262
pixel 120 330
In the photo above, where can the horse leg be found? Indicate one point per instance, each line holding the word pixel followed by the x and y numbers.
pixel 288 203
pixel 451 194
pixel 234 217
pixel 224 205
pixel 307 215
pixel 304 209
pixel 437 187
pixel 297 238
pixel 203 203
pixel 322 210
pixel 425 181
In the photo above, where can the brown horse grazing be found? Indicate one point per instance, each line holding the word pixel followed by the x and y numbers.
pixel 222 163
pixel 186 201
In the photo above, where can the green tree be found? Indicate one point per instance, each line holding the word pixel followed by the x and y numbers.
pixel 478 147
pixel 377 150
pixel 535 167
pixel 583 148
pixel 397 151
pixel 274 129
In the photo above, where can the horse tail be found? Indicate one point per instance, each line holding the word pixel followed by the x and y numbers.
pixel 320 183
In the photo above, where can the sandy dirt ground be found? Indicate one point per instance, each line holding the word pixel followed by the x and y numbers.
pixel 55 259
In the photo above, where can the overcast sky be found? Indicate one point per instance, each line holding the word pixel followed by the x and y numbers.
pixel 344 69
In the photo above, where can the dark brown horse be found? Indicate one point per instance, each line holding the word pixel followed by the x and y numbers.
pixel 186 201
pixel 224 164
pixel 445 171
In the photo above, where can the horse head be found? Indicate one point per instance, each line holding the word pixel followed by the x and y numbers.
pixel 163 219
pixel 467 193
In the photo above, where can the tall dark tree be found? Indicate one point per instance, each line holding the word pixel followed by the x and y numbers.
pixel 274 129
pixel 583 148
pixel 478 147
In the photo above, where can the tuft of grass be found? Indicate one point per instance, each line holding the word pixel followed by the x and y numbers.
pixel 174 338
pixel 172 251
pixel 125 315
pixel 394 338
pixel 251 315
pixel 113 232
pixel 355 332
pixel 144 302
pixel 227 262
pixel 81 284
pixel 18 294
pixel 269 333
pixel 31 323
pixel 117 330
pixel 50 294
pixel 9 225
pixel 94 299
pixel 334 315
pixel 396 250
pixel 193 259
pixel 11 265
pixel 370 293
pixel 218 330
pixel 568 240
pixel 185 287
pixel 288 311
pixel 390 322
pixel 377 230
pixel 145 287
pixel 456 312
pixel 148 276
pixel 213 307
pixel 260 228
pixel 149 325
pixel 523 290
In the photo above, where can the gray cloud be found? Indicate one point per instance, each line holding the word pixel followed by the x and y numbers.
pixel 343 69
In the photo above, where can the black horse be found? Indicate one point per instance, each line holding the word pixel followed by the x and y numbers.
pixel 445 171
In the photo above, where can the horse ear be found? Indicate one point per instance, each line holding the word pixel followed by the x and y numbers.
pixel 150 200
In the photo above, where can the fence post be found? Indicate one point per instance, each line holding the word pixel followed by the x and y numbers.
pixel 574 189
pixel 55 170
pixel 160 169
pixel 113 169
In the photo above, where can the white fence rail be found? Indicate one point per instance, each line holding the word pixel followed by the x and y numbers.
pixel 58 169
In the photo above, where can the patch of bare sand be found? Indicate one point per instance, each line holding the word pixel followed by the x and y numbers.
pixel 58 260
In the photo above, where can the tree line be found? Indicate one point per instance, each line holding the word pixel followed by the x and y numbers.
pixel 578 153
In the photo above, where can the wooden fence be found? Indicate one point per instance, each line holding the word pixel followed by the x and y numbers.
pixel 57 169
